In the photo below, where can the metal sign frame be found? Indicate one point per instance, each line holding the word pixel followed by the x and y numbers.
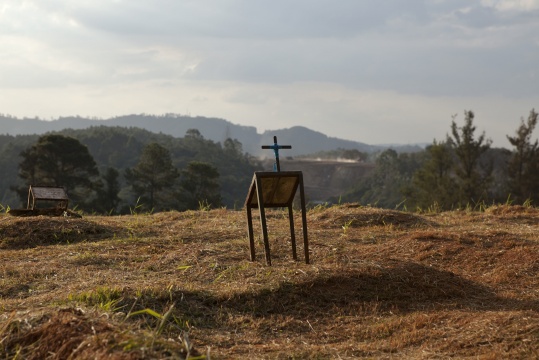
pixel 276 190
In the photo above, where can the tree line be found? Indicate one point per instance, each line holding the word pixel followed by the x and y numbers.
pixel 463 170
pixel 119 170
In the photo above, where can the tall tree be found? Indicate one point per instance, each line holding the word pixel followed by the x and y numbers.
pixel 233 148
pixel 433 182
pixel 523 168
pixel 107 197
pixel 200 182
pixel 57 160
pixel 472 180
pixel 194 134
pixel 153 177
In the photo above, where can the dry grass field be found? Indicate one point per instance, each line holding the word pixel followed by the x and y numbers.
pixel 381 284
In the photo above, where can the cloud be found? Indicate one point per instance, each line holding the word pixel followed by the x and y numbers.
pixel 512 5
pixel 255 60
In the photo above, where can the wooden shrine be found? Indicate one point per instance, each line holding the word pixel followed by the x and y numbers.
pixel 46 200
pixel 49 194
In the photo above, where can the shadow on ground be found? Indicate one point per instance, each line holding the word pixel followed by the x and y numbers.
pixel 25 233
pixel 402 288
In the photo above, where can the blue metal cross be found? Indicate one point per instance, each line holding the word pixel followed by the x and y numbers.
pixel 276 147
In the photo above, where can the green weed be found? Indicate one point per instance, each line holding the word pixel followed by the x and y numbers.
pixel 184 267
pixel 435 208
pixel 164 319
pixel 204 205
pixel 320 207
pixel 137 210
pixel 104 298
pixel 4 209
pixel 403 204
pixel 509 201
pixel 346 226
pixel 480 206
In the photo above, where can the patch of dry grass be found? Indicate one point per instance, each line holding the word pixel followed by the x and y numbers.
pixel 381 284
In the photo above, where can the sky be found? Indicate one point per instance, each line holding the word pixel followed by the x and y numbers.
pixel 374 71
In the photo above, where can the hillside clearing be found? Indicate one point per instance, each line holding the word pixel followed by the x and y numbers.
pixel 381 284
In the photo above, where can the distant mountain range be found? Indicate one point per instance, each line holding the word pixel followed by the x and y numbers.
pixel 304 141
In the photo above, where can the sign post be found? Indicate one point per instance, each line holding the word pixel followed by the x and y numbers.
pixel 273 190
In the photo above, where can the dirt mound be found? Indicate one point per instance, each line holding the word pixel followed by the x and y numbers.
pixel 504 210
pixel 525 214
pixel 44 212
pixel 71 334
pixel 29 232
pixel 355 215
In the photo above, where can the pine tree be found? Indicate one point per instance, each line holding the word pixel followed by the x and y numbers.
pixel 57 160
pixel 472 180
pixel 523 168
pixel 200 182
pixel 107 196
pixel 433 182
pixel 153 177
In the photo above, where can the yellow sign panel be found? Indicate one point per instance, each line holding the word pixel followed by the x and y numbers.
pixel 277 188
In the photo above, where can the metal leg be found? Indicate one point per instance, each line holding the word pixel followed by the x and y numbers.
pixel 263 219
pixel 250 232
pixel 304 219
pixel 292 232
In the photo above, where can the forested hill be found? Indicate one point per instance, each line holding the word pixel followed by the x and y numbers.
pixel 463 171
pixel 120 148
pixel 303 140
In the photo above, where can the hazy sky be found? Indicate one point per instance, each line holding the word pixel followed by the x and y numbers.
pixel 376 71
